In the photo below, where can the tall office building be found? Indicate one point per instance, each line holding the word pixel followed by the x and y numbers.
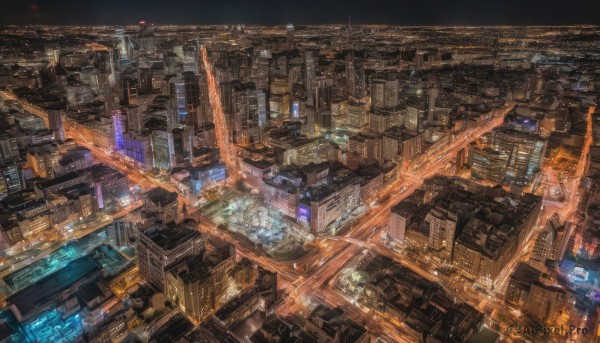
pixel 191 57
pixel 55 121
pixel 486 164
pixel 147 43
pixel 10 178
pixel 9 148
pixel 178 90
pixel 523 153
pixel 311 60
pixel 519 284
pixel 52 52
pixel 198 284
pixel 412 119
pixel 130 90
pixel 391 92
pixel 290 37
pixel 134 118
pixel 323 93
pixel 89 76
pixel 192 98
pixel 546 302
pixel 361 79
pixel 260 70
pixel 204 109
pixel 364 149
pixel 249 114
pixel 377 94
pixel 163 150
pixel 432 95
pixel 118 127
pixel 350 73
pixel 442 223
pixel 551 243
pixel 160 246
pixel 123 47
pixel 384 92
pixel 183 139
pixel 138 147
pixel 186 92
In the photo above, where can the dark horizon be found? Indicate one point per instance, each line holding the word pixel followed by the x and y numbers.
pixel 311 12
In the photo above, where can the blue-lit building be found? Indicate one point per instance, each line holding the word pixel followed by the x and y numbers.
pixel 205 176
pixel 522 123
pixel 118 125
pixel 186 92
pixel 138 147
pixel 54 292
pixel 179 90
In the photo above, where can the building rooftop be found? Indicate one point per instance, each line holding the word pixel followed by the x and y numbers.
pixel 42 291
pixel 161 197
pixel 169 238
pixel 259 164
pixel 61 179
pixel 524 275
pixel 172 330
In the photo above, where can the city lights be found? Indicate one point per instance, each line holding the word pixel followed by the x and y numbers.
pixel 314 183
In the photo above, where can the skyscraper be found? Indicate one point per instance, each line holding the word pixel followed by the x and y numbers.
pixel 118 126
pixel 432 95
pixel 52 52
pixel 198 284
pixel 311 58
pixel 88 76
pixel 391 92
pixel 160 246
pixel 192 98
pixel 350 73
pixel 361 83
pixel 123 47
pixel 190 57
pixel 55 121
pixel 546 302
pixel 186 92
pixel 290 37
pixel 442 230
pixel 377 94
pixel 250 114
pixel 523 153
pixel 384 92
pixel 412 119
pixel 130 92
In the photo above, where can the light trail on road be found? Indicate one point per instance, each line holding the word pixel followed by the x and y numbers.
pixel 221 130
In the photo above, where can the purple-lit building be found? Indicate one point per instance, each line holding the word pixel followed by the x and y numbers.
pixel 118 125
pixel 138 148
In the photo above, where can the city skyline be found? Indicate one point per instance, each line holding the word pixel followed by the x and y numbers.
pixel 271 12
pixel 299 183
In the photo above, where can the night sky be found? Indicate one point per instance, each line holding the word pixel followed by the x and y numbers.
pixel 269 12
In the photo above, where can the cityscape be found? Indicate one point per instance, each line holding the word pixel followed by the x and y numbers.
pixel 299 183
